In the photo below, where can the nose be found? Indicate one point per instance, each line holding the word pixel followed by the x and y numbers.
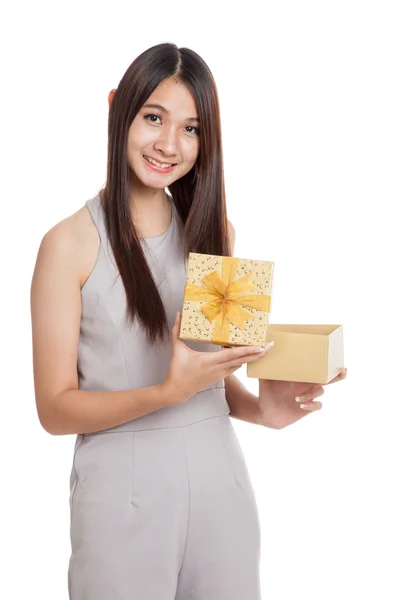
pixel 167 141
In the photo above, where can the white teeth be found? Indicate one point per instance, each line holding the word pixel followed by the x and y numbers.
pixel 155 162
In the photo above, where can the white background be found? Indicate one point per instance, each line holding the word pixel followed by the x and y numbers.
pixel 310 99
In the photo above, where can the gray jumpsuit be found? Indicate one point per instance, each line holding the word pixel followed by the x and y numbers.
pixel 162 507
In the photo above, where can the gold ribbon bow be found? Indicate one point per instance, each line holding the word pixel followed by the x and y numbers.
pixel 226 298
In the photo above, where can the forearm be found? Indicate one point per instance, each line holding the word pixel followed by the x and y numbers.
pixel 77 411
pixel 242 403
pixel 247 411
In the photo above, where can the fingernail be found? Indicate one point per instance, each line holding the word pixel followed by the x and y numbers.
pixel 305 406
pixel 269 345
pixel 299 398
pixel 177 315
pixel 258 350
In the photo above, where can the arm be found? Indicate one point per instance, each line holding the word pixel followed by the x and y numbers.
pixel 243 404
pixel 56 313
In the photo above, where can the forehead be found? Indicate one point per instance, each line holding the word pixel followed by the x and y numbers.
pixel 175 97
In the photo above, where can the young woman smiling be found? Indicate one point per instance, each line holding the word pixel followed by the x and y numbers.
pixel 162 506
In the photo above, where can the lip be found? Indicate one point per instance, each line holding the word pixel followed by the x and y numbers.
pixel 158 169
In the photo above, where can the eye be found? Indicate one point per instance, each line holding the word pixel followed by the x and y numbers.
pixel 148 117
pixel 196 129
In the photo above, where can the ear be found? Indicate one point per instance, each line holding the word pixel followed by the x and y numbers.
pixel 111 97
pixel 232 236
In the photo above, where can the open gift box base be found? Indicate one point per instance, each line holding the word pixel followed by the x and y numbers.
pixel 306 353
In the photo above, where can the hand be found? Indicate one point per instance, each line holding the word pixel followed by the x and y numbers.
pixel 191 371
pixel 277 400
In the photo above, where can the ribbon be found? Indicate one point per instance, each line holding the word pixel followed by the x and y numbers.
pixel 226 298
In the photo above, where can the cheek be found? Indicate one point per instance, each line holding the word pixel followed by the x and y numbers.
pixel 139 136
pixel 191 150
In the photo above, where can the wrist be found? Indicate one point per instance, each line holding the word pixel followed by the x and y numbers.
pixel 171 393
pixel 263 420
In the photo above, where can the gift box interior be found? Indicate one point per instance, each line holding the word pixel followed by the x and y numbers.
pixel 307 353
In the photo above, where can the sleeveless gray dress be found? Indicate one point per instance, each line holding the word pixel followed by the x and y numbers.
pixel 162 507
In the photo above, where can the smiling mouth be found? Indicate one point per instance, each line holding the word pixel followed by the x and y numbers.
pixel 156 163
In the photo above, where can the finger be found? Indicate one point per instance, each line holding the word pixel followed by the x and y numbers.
pixel 233 369
pixel 176 341
pixel 177 320
pixel 247 359
pixel 240 352
pixel 310 396
pixel 244 360
pixel 176 328
pixel 311 406
pixel 342 375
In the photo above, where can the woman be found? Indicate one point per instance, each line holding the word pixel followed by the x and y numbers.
pixel 162 506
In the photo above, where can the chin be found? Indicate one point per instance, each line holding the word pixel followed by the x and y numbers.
pixel 149 182
pixel 157 183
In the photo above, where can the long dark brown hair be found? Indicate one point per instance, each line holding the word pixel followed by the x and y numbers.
pixel 200 200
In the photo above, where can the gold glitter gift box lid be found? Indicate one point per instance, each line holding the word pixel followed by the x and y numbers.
pixel 227 300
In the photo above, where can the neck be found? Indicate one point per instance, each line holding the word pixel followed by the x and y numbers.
pixel 146 200
pixel 150 210
pixel 151 213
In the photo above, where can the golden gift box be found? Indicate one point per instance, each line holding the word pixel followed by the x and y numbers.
pixel 227 300
pixel 306 353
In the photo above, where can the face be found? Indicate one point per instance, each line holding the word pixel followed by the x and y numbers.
pixel 167 133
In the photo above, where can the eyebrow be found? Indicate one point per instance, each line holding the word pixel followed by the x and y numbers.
pixel 164 110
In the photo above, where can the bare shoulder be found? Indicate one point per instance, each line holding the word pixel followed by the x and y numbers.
pixel 72 244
